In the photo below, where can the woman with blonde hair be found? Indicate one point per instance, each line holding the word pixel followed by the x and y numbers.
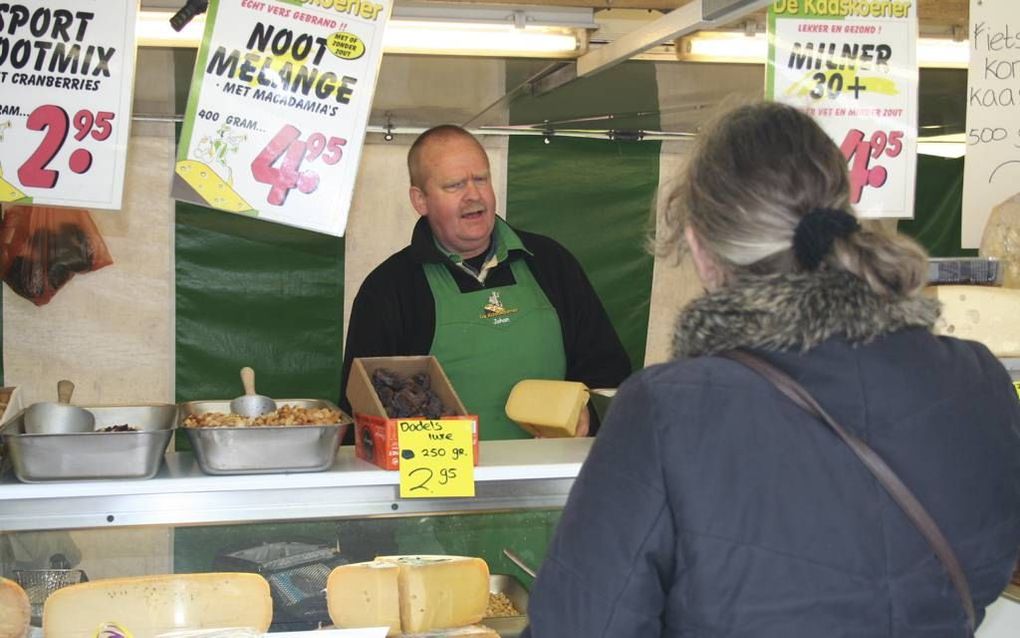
pixel 712 504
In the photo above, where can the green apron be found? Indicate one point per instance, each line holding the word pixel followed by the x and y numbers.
pixel 490 339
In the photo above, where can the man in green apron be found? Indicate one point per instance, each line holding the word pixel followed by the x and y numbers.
pixel 493 304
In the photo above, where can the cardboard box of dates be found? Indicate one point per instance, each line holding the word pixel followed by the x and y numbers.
pixel 384 391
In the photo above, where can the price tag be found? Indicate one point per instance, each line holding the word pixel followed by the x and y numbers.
pixel 65 81
pixel 437 459
pixel 278 107
pixel 855 73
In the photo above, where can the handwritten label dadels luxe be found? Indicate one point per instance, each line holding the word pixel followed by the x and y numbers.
pixel 436 458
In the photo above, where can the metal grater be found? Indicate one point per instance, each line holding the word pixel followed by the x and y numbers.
pixel 297 585
pixel 975 271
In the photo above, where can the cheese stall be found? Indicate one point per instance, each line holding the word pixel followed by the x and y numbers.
pixel 222 188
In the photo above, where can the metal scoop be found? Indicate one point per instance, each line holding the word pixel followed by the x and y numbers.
pixel 251 404
pixel 58 418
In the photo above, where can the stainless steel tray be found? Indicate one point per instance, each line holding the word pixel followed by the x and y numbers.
pixel 508 626
pixel 93 455
pixel 263 449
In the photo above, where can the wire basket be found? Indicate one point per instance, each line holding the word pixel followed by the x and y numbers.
pixel 40 583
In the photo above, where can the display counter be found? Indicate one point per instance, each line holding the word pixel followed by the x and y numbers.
pixel 510 475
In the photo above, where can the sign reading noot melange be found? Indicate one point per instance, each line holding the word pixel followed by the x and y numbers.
pixel 852 65
pixel 67 70
pixel 279 103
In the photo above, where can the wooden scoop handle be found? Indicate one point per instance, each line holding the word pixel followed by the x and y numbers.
pixel 64 391
pixel 248 380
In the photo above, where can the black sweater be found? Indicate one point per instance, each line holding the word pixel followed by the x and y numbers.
pixel 394 311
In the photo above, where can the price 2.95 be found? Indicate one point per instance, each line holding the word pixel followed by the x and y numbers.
pixel 424 475
pixel 286 145
pixel 56 124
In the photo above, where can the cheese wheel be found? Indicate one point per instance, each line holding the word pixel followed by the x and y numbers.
pixel 441 591
pixel 981 313
pixel 365 595
pixel 146 606
pixel 14 610
pixel 432 592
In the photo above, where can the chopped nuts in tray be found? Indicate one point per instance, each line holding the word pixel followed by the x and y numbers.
pixel 500 606
pixel 286 415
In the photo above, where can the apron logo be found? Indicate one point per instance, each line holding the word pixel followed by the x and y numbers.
pixel 494 308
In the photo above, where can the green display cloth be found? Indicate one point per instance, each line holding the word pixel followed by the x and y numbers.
pixel 628 92
pixel 938 207
pixel 254 293
pixel 596 198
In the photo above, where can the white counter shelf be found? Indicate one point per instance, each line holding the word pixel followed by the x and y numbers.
pixel 511 475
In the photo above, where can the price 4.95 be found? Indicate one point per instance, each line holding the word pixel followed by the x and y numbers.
pixel 859 152
pixel 286 146
pixel 53 120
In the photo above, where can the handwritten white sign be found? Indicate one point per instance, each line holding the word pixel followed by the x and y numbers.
pixel 991 172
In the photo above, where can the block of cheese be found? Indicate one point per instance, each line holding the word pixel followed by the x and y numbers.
pixel 365 595
pixel 432 592
pixel 981 313
pixel 146 606
pixel 14 610
pixel 545 407
pixel 441 591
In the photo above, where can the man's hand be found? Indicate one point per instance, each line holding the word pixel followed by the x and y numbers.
pixel 583 423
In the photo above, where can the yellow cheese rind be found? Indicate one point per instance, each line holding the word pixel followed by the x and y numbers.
pixel 985 314
pixel 546 407
pixel 430 592
pixel 15 611
pixel 146 606
pixel 365 595
pixel 211 187
pixel 438 592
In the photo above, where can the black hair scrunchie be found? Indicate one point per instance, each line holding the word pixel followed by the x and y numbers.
pixel 815 232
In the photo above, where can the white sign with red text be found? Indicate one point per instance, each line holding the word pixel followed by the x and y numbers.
pixel 67 70
pixel 853 67
pixel 278 108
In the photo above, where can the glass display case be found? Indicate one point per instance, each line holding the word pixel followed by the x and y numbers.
pixel 292 528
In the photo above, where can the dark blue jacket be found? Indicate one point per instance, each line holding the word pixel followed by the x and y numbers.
pixel 711 505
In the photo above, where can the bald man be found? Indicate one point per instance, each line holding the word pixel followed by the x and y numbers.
pixel 493 304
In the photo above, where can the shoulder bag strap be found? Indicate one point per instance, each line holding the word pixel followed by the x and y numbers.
pixel 889 480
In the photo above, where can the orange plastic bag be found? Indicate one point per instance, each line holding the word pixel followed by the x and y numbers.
pixel 42 248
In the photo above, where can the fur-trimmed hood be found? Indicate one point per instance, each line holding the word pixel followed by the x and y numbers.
pixel 794 312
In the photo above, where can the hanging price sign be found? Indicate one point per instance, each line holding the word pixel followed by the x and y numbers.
pixel 853 67
pixel 279 102
pixel 66 75
pixel 436 458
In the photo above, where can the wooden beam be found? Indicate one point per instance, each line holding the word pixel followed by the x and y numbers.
pixel 655 5
pixel 931 13
pixel 944 13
